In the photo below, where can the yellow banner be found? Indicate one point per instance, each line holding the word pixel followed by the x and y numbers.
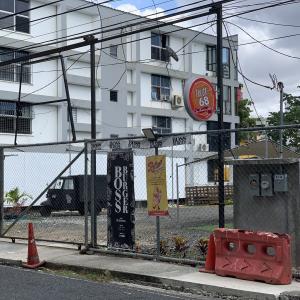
pixel 157 200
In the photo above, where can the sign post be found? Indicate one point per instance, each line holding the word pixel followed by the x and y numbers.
pixel 121 200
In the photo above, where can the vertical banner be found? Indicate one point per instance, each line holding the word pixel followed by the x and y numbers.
pixel 157 199
pixel 120 200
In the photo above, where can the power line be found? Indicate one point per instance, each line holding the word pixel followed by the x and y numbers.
pixel 64 39
pixel 80 44
pixel 244 77
pixel 270 23
pixel 261 43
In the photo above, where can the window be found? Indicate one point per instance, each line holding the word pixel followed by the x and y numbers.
pixel 68 184
pixel 113 50
pixel 211 60
pixel 114 136
pixel 74 114
pixel 12 72
pixel 161 125
pixel 227 100
pixel 159 42
pixel 212 138
pixel 226 62
pixel 20 21
pixel 160 88
pixel 213 169
pixel 236 65
pixel 236 101
pixel 8 117
pixel 113 96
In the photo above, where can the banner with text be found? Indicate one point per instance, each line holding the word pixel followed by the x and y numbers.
pixel 157 199
pixel 142 144
pixel 121 200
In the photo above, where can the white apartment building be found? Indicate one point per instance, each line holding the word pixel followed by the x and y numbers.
pixel 136 80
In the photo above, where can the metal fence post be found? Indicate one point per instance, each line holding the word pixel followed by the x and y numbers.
pixel 157 221
pixel 177 194
pixel 86 198
pixel 1 189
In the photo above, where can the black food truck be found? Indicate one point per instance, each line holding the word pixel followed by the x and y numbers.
pixel 67 193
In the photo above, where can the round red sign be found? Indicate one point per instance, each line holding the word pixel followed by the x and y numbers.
pixel 200 99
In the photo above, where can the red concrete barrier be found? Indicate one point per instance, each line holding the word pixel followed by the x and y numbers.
pixel 249 255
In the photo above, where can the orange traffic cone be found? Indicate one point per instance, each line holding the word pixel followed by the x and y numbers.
pixel 210 257
pixel 33 260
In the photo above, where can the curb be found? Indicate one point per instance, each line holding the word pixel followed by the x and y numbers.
pixel 165 283
pixel 170 284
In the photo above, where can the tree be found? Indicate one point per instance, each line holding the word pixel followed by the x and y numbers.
pixel 291 115
pixel 15 197
pixel 246 121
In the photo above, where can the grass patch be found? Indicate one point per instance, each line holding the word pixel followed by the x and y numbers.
pixel 84 274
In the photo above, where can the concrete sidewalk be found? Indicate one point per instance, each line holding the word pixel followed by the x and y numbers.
pixel 167 275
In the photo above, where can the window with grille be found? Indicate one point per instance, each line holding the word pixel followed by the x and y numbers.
pixel 161 125
pixel 8 117
pixel 160 88
pixel 211 60
pixel 159 42
pixel 12 72
pixel 14 16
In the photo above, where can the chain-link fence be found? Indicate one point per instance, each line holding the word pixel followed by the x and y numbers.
pixel 261 190
pixel 31 175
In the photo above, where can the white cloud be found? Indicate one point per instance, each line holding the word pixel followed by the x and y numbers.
pixel 257 61
pixel 151 12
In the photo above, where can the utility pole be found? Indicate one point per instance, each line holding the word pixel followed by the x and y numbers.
pixel 218 10
pixel 280 87
pixel 92 199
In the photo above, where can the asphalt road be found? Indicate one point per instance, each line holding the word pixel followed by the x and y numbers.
pixel 24 284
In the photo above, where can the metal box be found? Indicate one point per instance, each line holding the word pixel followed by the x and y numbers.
pixel 254 184
pixel 280 183
pixel 266 185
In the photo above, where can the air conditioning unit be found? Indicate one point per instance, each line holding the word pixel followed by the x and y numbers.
pixel 203 147
pixel 177 101
pixel 210 74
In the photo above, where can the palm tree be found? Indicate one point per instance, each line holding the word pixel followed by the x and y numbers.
pixel 15 197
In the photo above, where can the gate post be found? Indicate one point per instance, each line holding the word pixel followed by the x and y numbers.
pixel 86 197
pixel 1 189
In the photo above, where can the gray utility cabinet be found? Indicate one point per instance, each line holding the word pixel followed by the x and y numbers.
pixel 267 197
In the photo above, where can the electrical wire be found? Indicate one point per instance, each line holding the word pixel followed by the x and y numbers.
pixel 146 21
pixel 170 22
pixel 261 43
pixel 238 66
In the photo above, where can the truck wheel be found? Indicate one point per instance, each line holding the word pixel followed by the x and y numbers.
pixel 45 211
pixel 81 210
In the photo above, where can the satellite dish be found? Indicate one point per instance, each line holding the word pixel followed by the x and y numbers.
pixel 172 53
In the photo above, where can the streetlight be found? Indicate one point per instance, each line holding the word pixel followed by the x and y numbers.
pixel 151 136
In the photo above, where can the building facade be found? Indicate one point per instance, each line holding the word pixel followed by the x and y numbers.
pixel 138 84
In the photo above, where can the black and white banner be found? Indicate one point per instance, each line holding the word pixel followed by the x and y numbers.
pixel 142 144
pixel 120 200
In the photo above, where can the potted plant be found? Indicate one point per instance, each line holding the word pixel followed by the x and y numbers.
pixel 16 198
